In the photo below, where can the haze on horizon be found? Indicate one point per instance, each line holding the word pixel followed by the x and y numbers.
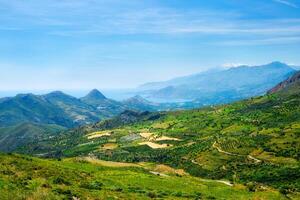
pixel 85 44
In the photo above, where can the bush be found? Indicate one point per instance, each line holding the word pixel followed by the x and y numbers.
pixel 60 181
pixel 95 185
pixel 152 195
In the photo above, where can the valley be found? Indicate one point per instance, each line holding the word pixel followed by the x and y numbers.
pixel 248 149
pixel 149 99
pixel 254 142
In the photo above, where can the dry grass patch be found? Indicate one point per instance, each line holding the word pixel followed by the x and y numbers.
pixel 109 146
pixel 155 146
pixel 146 135
pixel 97 134
pixel 109 163
pixel 169 170
pixel 166 138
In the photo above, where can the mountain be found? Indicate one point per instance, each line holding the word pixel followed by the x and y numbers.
pixel 53 108
pixel 31 108
pixel 292 83
pixel 251 143
pixel 93 97
pixel 104 105
pixel 78 111
pixel 230 84
pixel 64 110
pixel 139 103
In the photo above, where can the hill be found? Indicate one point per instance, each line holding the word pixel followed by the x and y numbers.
pixel 251 142
pixel 23 177
pixel 220 86
pixel 13 137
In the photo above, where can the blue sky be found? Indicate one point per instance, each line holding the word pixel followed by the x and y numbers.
pixel 84 44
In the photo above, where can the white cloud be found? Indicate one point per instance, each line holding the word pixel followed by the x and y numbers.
pixel 90 17
pixel 263 41
pixel 231 65
pixel 287 3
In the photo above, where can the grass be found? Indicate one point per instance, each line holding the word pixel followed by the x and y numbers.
pixel 23 177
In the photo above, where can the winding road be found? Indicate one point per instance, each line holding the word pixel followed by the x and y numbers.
pixel 233 154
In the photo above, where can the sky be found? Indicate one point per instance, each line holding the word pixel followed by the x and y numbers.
pixel 106 44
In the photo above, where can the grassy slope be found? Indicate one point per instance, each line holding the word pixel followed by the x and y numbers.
pixel 12 137
pixel 23 177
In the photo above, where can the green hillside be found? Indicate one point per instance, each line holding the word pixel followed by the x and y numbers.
pixel 23 177
pixel 13 137
pixel 253 142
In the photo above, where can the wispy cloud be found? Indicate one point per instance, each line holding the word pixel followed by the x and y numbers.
pixel 90 17
pixel 287 3
pixel 231 65
pixel 263 41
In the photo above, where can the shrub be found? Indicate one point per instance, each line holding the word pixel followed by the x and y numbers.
pixel 95 185
pixel 60 181
pixel 152 195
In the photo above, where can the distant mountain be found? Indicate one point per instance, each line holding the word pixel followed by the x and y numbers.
pixel 220 86
pixel 139 103
pixel 31 108
pixel 78 111
pixel 102 104
pixel 53 108
pixel 93 97
pixel 65 110
pixel 295 67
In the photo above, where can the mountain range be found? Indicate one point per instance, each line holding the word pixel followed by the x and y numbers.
pixel 61 109
pixel 220 85
pixel 51 113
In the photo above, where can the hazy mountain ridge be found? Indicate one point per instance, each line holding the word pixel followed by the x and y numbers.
pixel 231 84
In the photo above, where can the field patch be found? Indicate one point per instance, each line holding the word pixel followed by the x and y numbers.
pixel 163 138
pixel 97 134
pixel 169 170
pixel 108 163
pixel 155 145
pixel 146 135
pixel 109 146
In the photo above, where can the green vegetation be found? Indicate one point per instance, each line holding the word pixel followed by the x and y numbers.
pixel 23 177
pixel 12 137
